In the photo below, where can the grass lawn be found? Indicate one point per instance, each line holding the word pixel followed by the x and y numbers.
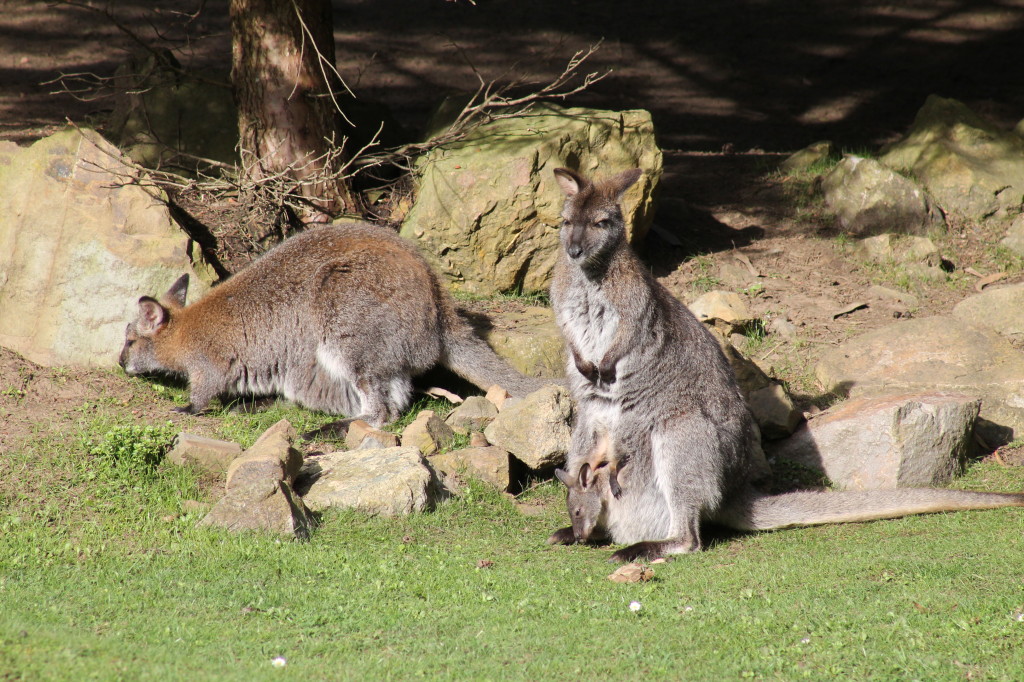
pixel 104 575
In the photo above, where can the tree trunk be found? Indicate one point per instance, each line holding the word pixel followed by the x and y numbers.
pixel 288 122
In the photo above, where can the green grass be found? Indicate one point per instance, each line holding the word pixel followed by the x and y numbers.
pixel 104 575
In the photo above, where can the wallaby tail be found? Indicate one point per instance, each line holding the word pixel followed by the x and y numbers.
pixel 471 358
pixel 755 511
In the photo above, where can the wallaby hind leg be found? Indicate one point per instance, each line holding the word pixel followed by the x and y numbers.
pixel 687 542
pixel 383 399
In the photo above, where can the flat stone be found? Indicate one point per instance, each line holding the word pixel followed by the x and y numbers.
pixel 389 481
pixel 934 354
pixel 208 454
pixel 362 436
pixel 999 309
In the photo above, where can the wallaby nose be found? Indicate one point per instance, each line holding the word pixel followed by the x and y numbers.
pixel 574 250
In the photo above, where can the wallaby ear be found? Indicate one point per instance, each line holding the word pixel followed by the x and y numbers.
pixel 563 476
pixel 624 180
pixel 176 294
pixel 570 182
pixel 152 316
pixel 586 477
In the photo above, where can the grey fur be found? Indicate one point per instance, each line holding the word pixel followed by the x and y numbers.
pixel 645 370
pixel 337 318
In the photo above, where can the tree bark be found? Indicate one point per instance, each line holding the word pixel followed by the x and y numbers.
pixel 288 122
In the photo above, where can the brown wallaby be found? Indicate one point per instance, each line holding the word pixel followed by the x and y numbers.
pixel 644 370
pixel 337 318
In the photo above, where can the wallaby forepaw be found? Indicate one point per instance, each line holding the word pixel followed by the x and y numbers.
pixel 562 536
pixel 187 409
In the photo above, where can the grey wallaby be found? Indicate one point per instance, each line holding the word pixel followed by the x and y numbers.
pixel 337 318
pixel 642 369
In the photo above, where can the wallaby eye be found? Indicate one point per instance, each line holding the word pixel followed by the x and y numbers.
pixel 603 224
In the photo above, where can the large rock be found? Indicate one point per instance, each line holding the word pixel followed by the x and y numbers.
pixel 886 442
pixel 487 207
pixel 78 246
pixel 536 429
pixel 934 354
pixel 263 505
pixel 869 198
pixel 1001 310
pixel 1014 239
pixel 389 481
pixel 526 337
pixel 968 164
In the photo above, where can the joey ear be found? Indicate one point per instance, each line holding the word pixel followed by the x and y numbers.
pixel 624 180
pixel 152 316
pixel 176 294
pixel 563 476
pixel 570 182
pixel 586 476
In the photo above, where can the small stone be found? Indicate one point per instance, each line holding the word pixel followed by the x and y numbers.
pixel 806 157
pixel 362 436
pixel 783 328
pixel 632 573
pixel 208 454
pixel 497 395
pixel 478 440
pixel 724 306
pixel 428 433
pixel 271 457
pixel 474 414
pixel 489 464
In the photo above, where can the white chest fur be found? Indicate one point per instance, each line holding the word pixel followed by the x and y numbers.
pixel 589 322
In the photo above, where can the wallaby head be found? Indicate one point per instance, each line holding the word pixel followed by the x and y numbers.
pixel 585 498
pixel 592 222
pixel 138 356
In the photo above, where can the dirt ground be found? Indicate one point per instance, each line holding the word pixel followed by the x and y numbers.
pixel 733 86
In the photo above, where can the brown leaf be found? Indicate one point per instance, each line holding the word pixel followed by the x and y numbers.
pixel 484 563
pixel 438 392
pixel 632 573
